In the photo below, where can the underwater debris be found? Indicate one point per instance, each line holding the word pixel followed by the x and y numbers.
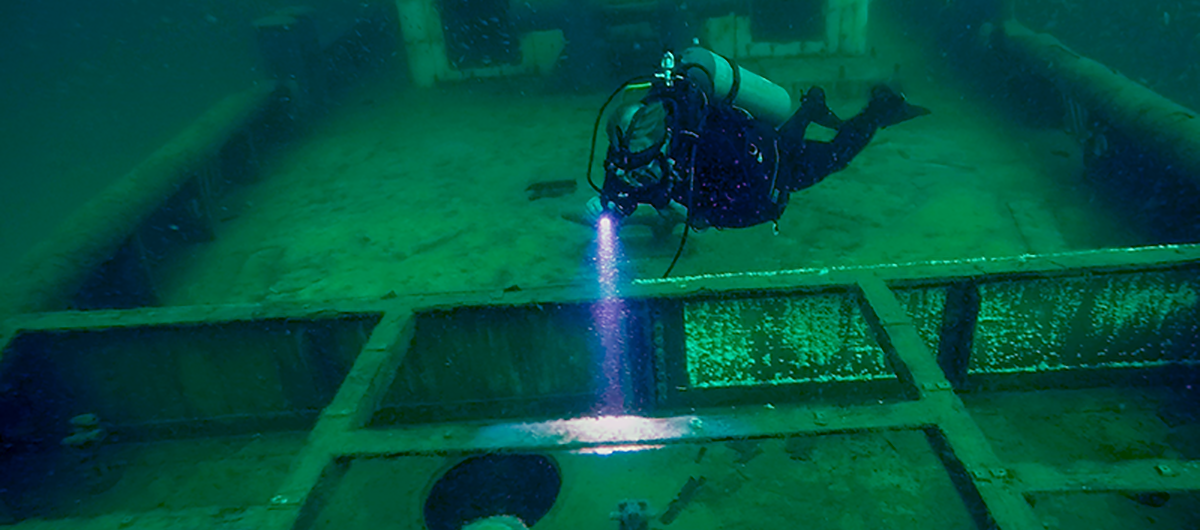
pixel 1153 499
pixel 799 447
pixel 747 450
pixel 681 502
pixel 551 188
pixel 86 432
pixel 632 515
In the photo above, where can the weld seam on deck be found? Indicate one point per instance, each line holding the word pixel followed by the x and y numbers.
pixel 936 271
pixel 931 272
pixel 195 315
pixel 1005 505
pixel 1136 259
pixel 1097 477
pixel 373 371
pixel 317 468
pixel 700 428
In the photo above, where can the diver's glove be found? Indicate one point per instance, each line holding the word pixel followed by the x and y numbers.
pixel 660 221
pixel 595 208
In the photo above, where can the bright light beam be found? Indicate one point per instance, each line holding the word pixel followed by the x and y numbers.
pixel 608 315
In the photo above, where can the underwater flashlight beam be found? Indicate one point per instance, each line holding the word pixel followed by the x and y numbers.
pixel 608 315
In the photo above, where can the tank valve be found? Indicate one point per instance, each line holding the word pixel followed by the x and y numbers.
pixel 668 69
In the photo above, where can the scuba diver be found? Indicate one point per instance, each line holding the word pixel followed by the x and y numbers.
pixel 714 145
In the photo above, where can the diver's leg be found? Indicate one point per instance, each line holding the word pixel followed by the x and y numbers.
pixel 818 160
pixel 818 109
pixel 813 109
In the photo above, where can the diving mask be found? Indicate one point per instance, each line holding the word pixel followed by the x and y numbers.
pixel 638 137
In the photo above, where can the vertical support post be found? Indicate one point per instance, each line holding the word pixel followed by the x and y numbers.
pixel 124 281
pixel 958 331
pixel 424 41
pixel 584 64
pixel 236 163
pixel 721 35
pixel 856 28
pixel 846 26
pixel 833 26
pixel 200 197
pixel 291 49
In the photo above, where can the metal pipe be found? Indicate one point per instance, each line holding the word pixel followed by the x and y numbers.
pixel 53 272
pixel 1158 124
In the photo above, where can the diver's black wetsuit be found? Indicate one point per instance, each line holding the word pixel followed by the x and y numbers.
pixel 731 170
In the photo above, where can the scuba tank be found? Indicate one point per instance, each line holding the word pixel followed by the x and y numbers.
pixel 721 78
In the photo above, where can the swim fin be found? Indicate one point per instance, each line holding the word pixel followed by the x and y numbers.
pixel 888 108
